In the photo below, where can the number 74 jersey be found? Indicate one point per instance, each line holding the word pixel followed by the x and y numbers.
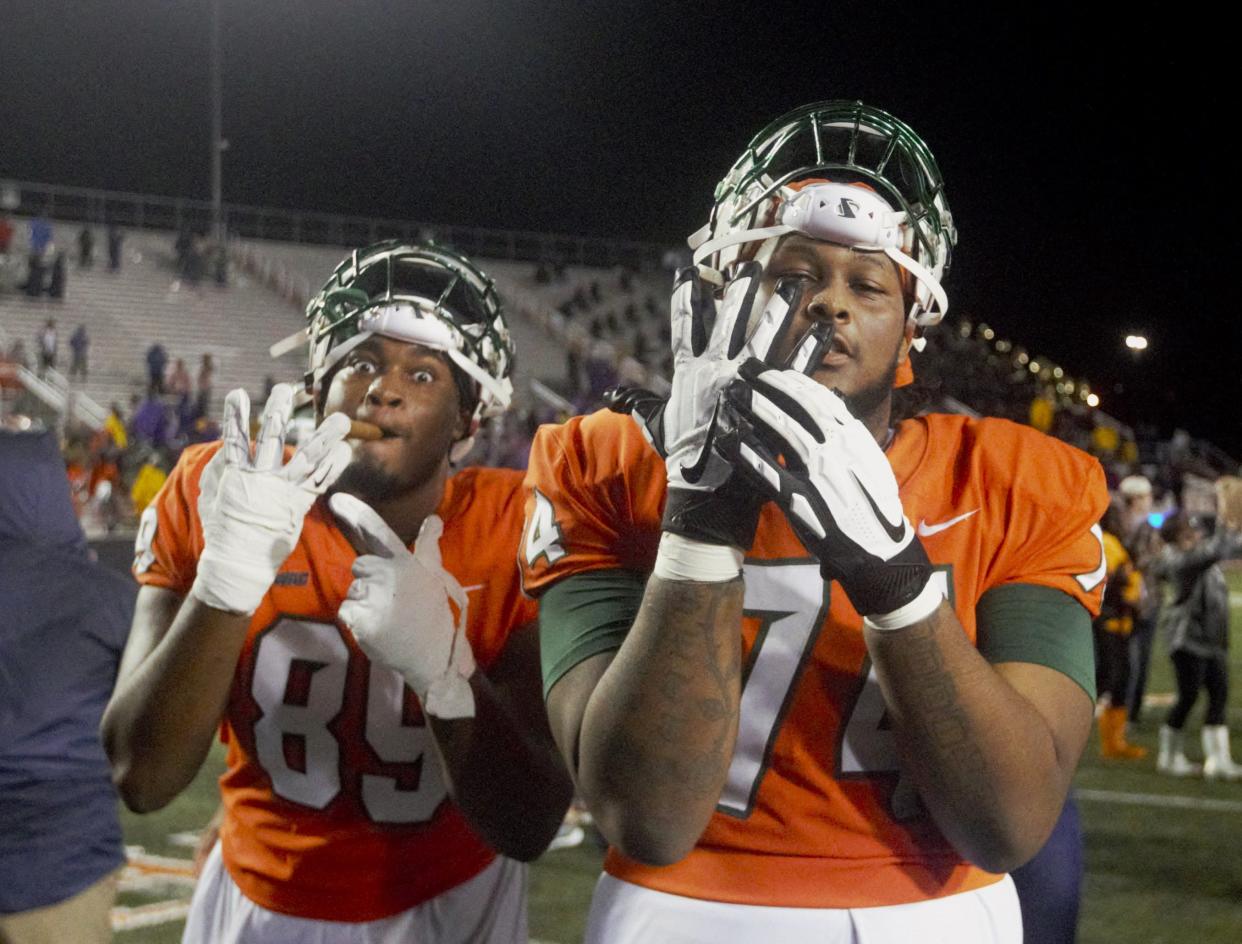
pixel 337 807
pixel 815 811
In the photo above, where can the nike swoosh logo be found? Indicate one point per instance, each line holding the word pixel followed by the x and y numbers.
pixel 926 530
pixel 895 531
pixel 474 586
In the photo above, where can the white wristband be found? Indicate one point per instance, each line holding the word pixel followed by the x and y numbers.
pixel 682 558
pixel 921 607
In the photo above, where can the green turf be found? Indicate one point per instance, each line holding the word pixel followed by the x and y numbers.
pixel 1154 875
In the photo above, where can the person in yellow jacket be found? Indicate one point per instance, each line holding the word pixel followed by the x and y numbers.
pixel 1112 634
pixel 147 482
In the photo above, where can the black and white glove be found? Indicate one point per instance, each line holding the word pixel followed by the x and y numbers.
pixel 835 486
pixel 707 504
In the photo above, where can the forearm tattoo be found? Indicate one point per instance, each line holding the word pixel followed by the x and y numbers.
pixel 935 721
pixel 689 677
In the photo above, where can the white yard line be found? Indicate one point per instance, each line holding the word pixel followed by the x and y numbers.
pixel 1160 800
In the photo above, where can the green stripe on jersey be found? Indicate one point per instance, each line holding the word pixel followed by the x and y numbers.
pixel 584 615
pixel 1020 622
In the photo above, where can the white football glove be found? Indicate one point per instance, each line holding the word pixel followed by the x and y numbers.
pixel 836 487
pixel 252 509
pixel 704 502
pixel 398 609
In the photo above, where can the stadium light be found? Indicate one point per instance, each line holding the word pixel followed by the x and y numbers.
pixel 1136 342
pixel 1092 400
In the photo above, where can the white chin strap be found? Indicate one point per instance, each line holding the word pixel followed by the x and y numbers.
pixel 848 216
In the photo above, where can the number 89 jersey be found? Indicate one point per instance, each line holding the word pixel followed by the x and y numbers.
pixel 815 811
pixel 336 803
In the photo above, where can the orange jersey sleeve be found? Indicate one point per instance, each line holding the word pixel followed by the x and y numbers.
pixel 594 499
pixel 170 536
pixel 1054 497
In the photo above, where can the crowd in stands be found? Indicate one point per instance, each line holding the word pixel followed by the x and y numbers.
pixel 44 271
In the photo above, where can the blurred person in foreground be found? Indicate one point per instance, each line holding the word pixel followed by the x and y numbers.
pixel 1195 625
pixel 821 672
pixel 63 624
pixel 370 661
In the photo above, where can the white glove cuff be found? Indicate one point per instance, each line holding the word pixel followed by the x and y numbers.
pixel 450 696
pixel 223 585
pixel 921 607
pixel 682 558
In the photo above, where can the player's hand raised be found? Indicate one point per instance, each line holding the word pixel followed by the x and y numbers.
pixel 252 507
pixel 398 609
pixel 836 487
pixel 709 340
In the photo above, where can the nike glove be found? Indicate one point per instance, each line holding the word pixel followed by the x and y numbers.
pixel 835 486
pixel 706 502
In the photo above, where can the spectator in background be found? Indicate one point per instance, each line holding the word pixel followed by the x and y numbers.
pixel 149 480
pixel 150 422
pixel 60 645
pixel 40 235
pixel 1196 626
pixel 86 247
pixel 1142 541
pixel 49 343
pixel 114 425
pixel 178 381
pixel 1112 630
pixel 56 279
pixel 79 346
pixel 157 362
pixel 206 376
pixel 115 239
pixel 6 235
pixel 33 286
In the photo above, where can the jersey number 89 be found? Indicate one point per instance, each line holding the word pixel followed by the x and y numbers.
pixel 300 671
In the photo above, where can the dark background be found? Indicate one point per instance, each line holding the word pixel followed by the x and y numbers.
pixel 1091 162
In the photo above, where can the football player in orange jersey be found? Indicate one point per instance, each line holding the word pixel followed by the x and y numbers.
pixel 819 674
pixel 370 661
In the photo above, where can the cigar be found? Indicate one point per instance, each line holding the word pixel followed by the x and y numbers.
pixel 364 431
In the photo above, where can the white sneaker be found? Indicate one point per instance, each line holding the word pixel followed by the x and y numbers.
pixel 1172 758
pixel 1218 764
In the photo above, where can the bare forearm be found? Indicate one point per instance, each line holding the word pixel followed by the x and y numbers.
pixel 658 733
pixel 986 763
pixel 160 721
pixel 507 777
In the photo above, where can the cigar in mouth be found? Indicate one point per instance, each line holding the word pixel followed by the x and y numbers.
pixel 364 431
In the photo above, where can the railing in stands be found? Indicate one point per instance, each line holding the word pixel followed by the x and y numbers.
pixel 145 211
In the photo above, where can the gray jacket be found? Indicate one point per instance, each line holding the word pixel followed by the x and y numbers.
pixel 1196 613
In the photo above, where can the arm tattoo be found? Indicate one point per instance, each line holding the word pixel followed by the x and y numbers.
pixel 934 715
pixel 691 669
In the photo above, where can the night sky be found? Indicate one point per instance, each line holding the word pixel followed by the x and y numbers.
pixel 1092 166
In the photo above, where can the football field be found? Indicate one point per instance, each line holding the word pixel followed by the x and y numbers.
pixel 1164 856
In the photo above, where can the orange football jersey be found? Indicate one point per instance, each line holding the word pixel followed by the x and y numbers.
pixel 336 802
pixel 815 812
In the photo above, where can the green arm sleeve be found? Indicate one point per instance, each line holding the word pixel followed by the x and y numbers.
pixel 1026 623
pixel 584 615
